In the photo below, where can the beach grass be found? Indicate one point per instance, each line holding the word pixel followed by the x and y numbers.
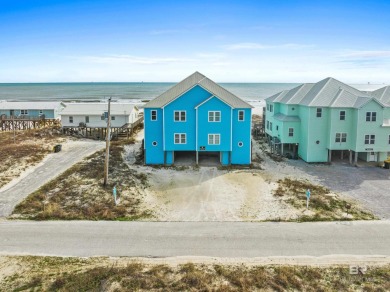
pixel 23 149
pixel 104 274
pixel 323 204
pixel 79 193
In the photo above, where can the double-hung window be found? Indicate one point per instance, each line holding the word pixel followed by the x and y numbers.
pixel 341 137
pixel 214 116
pixel 291 132
pixel 370 116
pixel 214 139
pixel 180 116
pixel 86 119
pixel 153 115
pixel 24 112
pixel 180 138
pixel 319 113
pixel 70 119
pixel 369 139
pixel 241 116
pixel 342 115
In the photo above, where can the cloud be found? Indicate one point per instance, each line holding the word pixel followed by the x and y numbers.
pixel 129 59
pixel 367 54
pixel 258 46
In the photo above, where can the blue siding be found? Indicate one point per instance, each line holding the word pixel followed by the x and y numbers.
pixel 223 127
pixel 49 114
pixel 241 134
pixel 187 102
pixel 197 104
pixel 153 133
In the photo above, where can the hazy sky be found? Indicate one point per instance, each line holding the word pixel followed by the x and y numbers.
pixel 229 41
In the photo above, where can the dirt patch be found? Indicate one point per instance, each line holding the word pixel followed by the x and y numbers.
pixel 105 274
pixel 79 194
pixel 25 149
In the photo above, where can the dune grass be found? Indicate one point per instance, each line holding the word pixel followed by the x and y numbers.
pixel 101 274
pixel 325 205
pixel 79 194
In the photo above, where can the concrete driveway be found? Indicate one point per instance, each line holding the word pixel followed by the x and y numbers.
pixel 370 185
pixel 53 165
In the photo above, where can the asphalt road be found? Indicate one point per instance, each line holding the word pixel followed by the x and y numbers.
pixel 53 165
pixel 207 239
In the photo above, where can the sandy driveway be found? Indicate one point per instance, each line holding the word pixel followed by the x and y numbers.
pixel 36 176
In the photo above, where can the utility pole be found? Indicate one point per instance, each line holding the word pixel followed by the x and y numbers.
pixel 107 143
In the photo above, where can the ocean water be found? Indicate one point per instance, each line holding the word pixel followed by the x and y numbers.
pixel 135 92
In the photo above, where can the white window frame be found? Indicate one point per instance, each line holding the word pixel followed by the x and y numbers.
pixel 70 119
pixel 181 137
pixel 319 112
pixel 370 138
pixel 86 119
pixel 370 116
pixel 213 139
pixel 344 116
pixel 340 138
pixel 212 116
pixel 291 132
pixel 24 112
pixel 180 115
pixel 243 115
pixel 151 115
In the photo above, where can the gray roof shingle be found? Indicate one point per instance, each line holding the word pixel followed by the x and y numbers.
pixel 192 80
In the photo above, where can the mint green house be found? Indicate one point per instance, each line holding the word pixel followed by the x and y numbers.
pixel 328 119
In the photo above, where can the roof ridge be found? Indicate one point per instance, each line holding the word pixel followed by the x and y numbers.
pixel 327 82
pixel 336 96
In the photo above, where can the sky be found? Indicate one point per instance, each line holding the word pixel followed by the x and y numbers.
pixel 165 41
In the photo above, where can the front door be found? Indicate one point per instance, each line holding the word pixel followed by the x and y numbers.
pixel 372 156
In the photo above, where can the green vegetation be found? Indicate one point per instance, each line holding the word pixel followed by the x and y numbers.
pixel 79 194
pixel 102 274
pixel 325 205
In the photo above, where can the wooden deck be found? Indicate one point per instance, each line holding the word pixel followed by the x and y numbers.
pixel 11 123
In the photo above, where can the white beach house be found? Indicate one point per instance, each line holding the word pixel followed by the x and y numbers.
pixel 91 115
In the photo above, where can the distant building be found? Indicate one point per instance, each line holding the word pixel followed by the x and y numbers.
pixel 320 121
pixel 31 109
pixel 91 115
pixel 197 117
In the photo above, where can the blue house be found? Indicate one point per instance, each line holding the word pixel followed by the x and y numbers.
pixel 197 117
pixel 31 109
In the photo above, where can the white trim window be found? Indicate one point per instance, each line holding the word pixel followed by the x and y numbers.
pixel 319 113
pixel 342 115
pixel 214 139
pixel 370 116
pixel 341 138
pixel 24 112
pixel 180 138
pixel 291 132
pixel 86 119
pixel 70 119
pixel 369 139
pixel 214 116
pixel 179 116
pixel 241 115
pixel 153 115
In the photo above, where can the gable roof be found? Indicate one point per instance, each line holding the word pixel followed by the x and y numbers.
pixel 330 92
pixel 93 108
pixel 30 105
pixel 191 81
